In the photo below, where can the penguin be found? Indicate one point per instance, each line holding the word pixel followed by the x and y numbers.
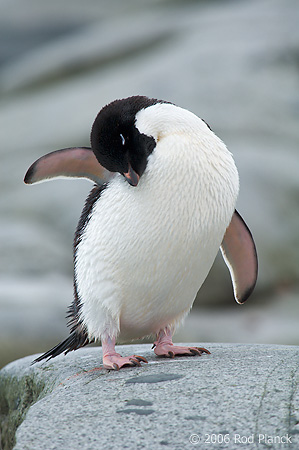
pixel 162 205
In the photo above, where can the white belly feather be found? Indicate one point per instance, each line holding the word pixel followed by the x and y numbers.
pixel 146 250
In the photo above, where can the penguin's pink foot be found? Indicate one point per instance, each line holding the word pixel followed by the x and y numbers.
pixel 164 346
pixel 170 350
pixel 114 361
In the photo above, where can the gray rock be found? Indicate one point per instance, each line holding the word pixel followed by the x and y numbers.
pixel 240 396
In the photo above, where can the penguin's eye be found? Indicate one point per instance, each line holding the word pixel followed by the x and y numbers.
pixel 123 141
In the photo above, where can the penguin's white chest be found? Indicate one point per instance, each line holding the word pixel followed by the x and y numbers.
pixel 146 250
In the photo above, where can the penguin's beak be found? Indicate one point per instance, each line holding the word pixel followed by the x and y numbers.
pixel 131 176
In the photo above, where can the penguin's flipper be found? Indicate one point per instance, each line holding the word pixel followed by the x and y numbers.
pixel 239 253
pixel 74 162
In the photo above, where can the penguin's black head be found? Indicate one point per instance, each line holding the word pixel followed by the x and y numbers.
pixel 117 143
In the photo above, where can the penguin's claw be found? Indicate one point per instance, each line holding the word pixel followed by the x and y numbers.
pixel 135 362
pixel 199 350
pixel 116 361
pixel 141 358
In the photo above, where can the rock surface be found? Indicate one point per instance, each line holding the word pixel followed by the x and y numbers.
pixel 240 396
pixel 234 63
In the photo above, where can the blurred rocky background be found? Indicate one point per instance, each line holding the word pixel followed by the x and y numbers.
pixel 234 63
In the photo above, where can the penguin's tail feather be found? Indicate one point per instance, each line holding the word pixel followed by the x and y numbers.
pixel 76 339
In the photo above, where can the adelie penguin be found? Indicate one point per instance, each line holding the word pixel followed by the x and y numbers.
pixel 163 204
